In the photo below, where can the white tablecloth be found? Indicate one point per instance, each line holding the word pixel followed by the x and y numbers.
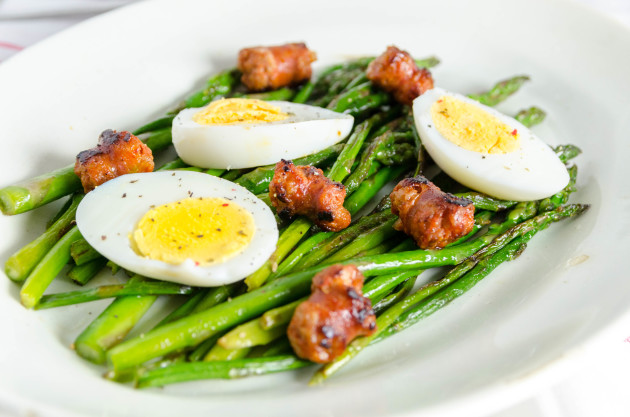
pixel 601 388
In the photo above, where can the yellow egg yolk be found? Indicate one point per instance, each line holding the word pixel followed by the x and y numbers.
pixel 206 230
pixel 473 128
pixel 239 110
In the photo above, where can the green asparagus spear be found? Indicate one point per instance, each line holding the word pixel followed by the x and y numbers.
pixel 334 243
pixel 500 91
pixel 21 263
pixel 531 116
pixel 367 240
pixel 567 152
pixel 219 85
pixel 250 334
pixel 343 165
pixel 82 252
pixel 162 123
pixel 133 287
pixel 219 353
pixel 281 94
pixel 240 368
pixel 562 196
pixel 47 269
pixel 304 93
pixel 82 274
pixel 485 202
pixel 112 325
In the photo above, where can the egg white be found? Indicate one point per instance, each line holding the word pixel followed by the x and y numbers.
pixel 531 172
pixel 108 215
pixel 307 130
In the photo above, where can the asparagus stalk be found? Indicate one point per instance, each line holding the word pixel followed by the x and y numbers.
pixel 367 158
pixel 485 202
pixel 333 83
pixel 280 346
pixel 338 240
pixel 201 350
pixel 186 308
pixel 343 165
pixel 367 240
pixel 219 85
pixel 250 334
pixel 500 91
pixel 82 252
pixel 562 196
pixel 391 299
pixel 21 264
pixel 240 368
pixel 177 163
pixel 290 237
pixel 47 269
pixel 112 325
pixel 133 287
pixel 370 187
pixel 219 353
pixel 304 93
pixel 567 152
pixel 59 213
pixel 281 94
pixel 531 116
pixel 158 124
pixel 345 101
pixel 82 274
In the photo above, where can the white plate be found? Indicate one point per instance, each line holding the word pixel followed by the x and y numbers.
pixel 516 330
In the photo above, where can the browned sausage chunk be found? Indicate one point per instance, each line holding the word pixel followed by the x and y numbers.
pixel 430 216
pixel 275 66
pixel 306 190
pixel 397 73
pixel 335 314
pixel 116 154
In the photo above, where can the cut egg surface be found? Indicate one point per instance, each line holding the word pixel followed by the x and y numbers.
pixel 245 133
pixel 486 150
pixel 180 226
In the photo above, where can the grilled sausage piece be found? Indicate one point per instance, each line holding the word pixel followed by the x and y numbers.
pixel 306 190
pixel 430 216
pixel 116 154
pixel 275 66
pixel 396 72
pixel 335 314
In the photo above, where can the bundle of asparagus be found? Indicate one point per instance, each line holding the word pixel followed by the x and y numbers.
pixel 240 329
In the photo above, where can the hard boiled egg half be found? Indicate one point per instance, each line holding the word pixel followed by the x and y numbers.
pixel 486 150
pixel 180 226
pixel 245 133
